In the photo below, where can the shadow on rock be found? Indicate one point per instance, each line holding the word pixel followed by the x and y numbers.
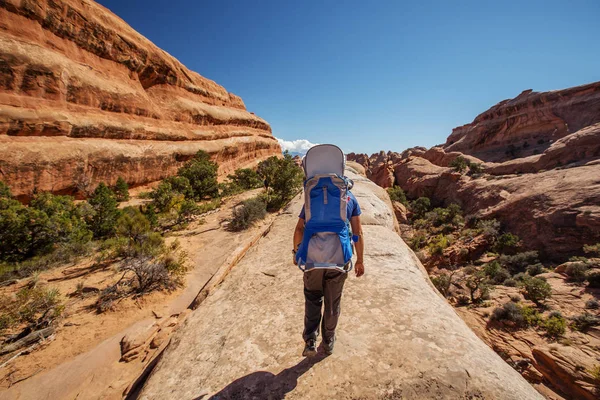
pixel 265 385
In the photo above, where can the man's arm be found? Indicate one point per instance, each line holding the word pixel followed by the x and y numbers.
pixel 359 267
pixel 298 234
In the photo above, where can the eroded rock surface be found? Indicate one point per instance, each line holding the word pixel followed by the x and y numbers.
pixel 397 337
pixel 85 98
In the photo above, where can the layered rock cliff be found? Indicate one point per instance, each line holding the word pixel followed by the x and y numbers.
pixel 527 124
pixel 550 199
pixel 397 338
pixel 85 98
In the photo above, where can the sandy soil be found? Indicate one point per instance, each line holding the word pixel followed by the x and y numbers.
pixel 82 329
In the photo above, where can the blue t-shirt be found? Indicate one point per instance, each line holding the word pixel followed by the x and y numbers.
pixel 352 208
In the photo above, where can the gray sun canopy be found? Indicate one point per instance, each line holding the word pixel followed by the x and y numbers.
pixel 324 159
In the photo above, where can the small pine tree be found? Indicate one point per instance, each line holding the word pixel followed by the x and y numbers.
pixel 121 190
pixel 104 219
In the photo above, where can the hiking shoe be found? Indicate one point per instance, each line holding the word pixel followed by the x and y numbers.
pixel 310 349
pixel 328 345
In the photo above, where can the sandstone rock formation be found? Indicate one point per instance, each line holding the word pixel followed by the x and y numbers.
pixel 527 124
pixel 551 199
pixel 397 337
pixel 85 98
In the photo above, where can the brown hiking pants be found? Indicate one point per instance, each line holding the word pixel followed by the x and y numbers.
pixel 319 284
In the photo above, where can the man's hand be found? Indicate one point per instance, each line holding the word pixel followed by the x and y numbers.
pixel 359 268
pixel 294 257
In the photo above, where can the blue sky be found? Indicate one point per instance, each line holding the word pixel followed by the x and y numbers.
pixel 375 75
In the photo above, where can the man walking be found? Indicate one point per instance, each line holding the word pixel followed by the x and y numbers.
pixel 326 284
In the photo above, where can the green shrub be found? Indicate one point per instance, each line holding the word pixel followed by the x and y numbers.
pixel 419 207
pixel 475 169
pixel 248 213
pixel 397 194
pixel 135 237
pixel 595 372
pixel 577 272
pixel 438 244
pixel 181 185
pixel 592 304
pixel 593 279
pixel 584 321
pixel 49 222
pixel 537 289
pixel 593 249
pixel 495 272
pixel 105 212
pixel 227 189
pixel 535 269
pixel 506 243
pixel 282 179
pixel 246 179
pixel 459 164
pixel 442 283
pixel 418 241
pixel 518 262
pixel 510 282
pixel 451 215
pixel 555 325
pixel 478 285
pixel 490 228
pixel 33 305
pixel 201 174
pixel 121 190
pixel 520 316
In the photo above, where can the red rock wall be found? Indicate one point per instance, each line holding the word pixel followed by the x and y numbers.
pixel 527 124
pixel 83 96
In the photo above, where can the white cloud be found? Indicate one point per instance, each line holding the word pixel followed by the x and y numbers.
pixel 295 146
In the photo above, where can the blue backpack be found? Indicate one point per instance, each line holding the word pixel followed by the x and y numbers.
pixel 327 236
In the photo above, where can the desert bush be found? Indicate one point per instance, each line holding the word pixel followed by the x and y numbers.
pixel 282 179
pixel 577 272
pixel 593 279
pixel 460 164
pixel 518 262
pixel 478 285
pixel 121 190
pixel 595 372
pixel 592 304
pixel 105 212
pixel 535 269
pixel 397 194
pixel 495 272
pixel 593 249
pixel 537 290
pixel 164 197
pixel 438 244
pixel 510 282
pixel 246 179
pixel 555 325
pixel 248 213
pixel 490 228
pixel 419 207
pixel 35 306
pixel 201 173
pixel 38 229
pixel 440 216
pixel 520 316
pixel 181 185
pixel 475 169
pixel 462 300
pixel 418 241
pixel 506 243
pixel 145 274
pixel 134 236
pixel 443 282
pixel 515 298
pixel 583 322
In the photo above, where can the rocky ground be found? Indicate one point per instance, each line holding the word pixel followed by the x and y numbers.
pixel 397 337
pixel 531 164
pixel 92 353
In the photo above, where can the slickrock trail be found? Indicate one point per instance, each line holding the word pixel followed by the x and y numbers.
pixel 397 337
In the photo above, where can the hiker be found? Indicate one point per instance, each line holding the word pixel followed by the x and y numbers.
pixel 322 244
